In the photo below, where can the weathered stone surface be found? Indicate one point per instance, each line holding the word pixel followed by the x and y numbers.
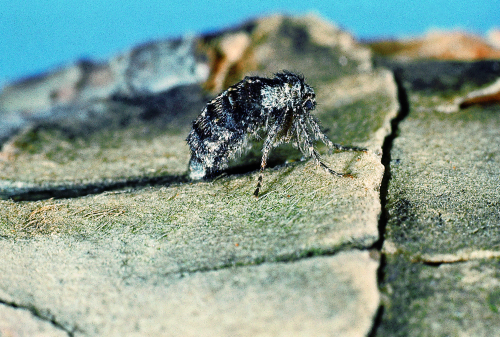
pixel 311 44
pixel 443 195
pixel 46 161
pixel 303 210
pixel 154 254
pixel 92 292
pixel 443 205
pixel 451 79
pixel 147 69
pixel 177 256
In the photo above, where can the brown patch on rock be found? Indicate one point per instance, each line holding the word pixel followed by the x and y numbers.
pixel 439 45
pixel 488 95
pixel 230 57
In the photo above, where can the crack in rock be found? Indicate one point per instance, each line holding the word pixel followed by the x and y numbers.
pixel 41 316
pixel 404 109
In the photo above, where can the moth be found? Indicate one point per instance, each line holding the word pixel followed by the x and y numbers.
pixel 279 107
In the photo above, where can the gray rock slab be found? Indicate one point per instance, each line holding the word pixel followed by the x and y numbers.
pixel 157 254
pixel 93 294
pixel 443 195
pixel 308 44
pixel 120 250
pixel 442 243
pixel 303 210
pixel 149 68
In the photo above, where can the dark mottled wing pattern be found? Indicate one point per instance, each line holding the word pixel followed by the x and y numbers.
pixel 222 128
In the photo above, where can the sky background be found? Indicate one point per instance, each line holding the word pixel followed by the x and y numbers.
pixel 39 35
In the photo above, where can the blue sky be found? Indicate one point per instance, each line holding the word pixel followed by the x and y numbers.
pixel 40 35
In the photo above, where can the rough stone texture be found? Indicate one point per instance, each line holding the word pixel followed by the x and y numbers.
pixel 213 225
pixel 443 195
pixel 150 68
pixel 92 293
pixel 450 166
pixel 443 207
pixel 47 161
pixel 137 249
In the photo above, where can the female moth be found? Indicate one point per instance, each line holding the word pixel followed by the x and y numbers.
pixel 279 106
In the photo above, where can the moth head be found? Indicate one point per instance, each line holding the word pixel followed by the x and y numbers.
pixel 302 95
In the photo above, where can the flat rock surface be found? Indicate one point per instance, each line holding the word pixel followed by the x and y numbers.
pixel 443 207
pixel 450 166
pixel 91 293
pixel 138 249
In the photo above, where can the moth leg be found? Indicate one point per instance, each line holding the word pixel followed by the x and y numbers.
pixel 313 153
pixel 268 145
pixel 321 136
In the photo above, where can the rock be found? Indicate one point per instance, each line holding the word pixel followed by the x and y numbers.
pixel 92 293
pixel 441 299
pixel 41 90
pixel 484 96
pixel 104 234
pixel 147 69
pixel 494 37
pixel 442 205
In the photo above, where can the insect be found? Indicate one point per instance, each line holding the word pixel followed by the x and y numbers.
pixel 279 106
